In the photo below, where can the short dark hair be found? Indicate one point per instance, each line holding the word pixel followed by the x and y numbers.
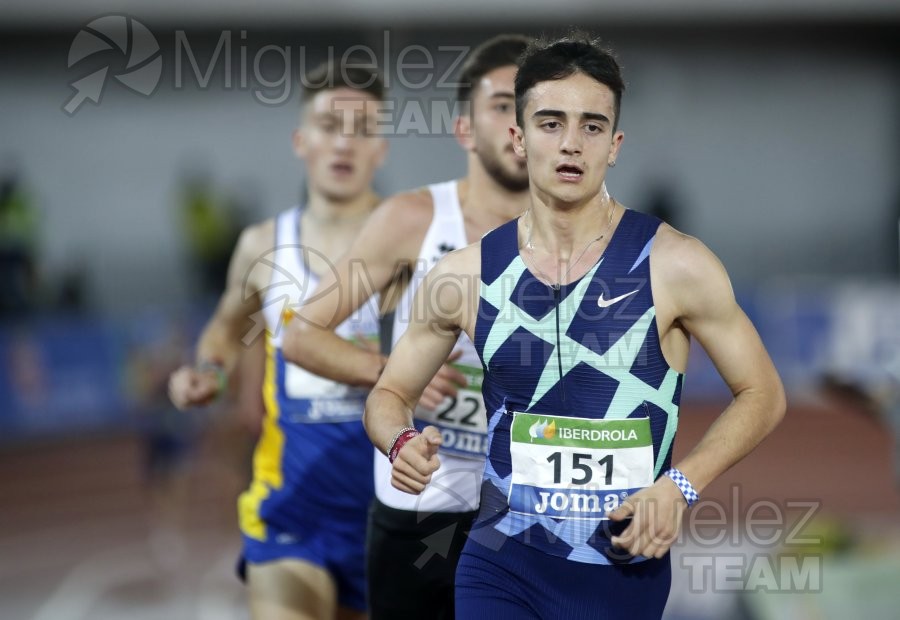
pixel 333 75
pixel 500 51
pixel 546 60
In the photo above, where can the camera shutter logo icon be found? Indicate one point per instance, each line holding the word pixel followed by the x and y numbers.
pixel 137 47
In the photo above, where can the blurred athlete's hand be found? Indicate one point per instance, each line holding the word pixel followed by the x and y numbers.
pixel 445 383
pixel 416 461
pixel 656 513
pixel 190 387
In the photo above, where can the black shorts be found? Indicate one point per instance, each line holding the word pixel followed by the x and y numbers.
pixel 411 562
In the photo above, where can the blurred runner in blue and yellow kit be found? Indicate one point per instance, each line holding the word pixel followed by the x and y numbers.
pixel 303 519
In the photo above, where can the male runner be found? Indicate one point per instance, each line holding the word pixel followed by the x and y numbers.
pixel 303 518
pixel 414 542
pixel 581 312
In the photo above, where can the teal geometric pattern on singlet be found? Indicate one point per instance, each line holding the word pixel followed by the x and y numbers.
pixel 616 362
pixel 588 349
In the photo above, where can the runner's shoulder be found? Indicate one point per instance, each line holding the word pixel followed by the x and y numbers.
pixel 453 283
pixel 463 262
pixel 255 242
pixel 688 274
pixel 681 258
pixel 404 214
pixel 456 277
pixel 257 238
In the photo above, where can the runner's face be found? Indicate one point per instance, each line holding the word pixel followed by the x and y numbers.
pixel 568 137
pixel 338 141
pixel 493 114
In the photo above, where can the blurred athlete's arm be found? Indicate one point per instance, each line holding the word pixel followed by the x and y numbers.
pixel 704 305
pixel 386 247
pixel 250 375
pixel 440 311
pixel 220 344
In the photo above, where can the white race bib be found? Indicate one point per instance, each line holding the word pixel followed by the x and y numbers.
pixel 462 420
pixel 311 398
pixel 300 383
pixel 577 468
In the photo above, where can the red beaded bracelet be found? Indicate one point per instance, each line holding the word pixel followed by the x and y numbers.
pixel 399 441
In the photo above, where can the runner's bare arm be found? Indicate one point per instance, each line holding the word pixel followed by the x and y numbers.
pixel 383 248
pixel 708 311
pixel 220 342
pixel 387 245
pixel 697 284
pixel 417 357
pixel 250 375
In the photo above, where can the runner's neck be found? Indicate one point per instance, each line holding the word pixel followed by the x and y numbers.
pixel 325 213
pixel 486 203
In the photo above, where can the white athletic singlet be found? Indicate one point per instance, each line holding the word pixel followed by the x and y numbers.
pixel 309 420
pixel 455 487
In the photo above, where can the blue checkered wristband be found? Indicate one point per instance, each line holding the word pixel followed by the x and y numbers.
pixel 684 485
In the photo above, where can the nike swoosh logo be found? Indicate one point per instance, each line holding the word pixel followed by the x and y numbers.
pixel 606 303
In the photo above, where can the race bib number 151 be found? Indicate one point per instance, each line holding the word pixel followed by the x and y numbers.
pixel 577 468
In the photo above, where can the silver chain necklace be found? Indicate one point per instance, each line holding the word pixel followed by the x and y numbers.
pixel 529 245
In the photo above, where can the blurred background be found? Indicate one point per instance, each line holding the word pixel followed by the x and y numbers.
pixel 136 140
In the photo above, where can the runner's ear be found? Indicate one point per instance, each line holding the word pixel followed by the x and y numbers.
pixel 298 143
pixel 518 140
pixel 462 129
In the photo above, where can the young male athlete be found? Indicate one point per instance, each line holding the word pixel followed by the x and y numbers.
pixel 303 519
pixel 581 312
pixel 414 542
